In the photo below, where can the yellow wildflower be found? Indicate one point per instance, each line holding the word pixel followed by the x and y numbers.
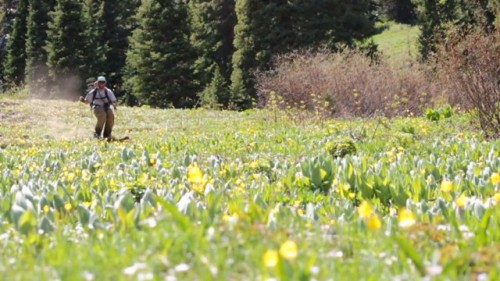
pixel 70 177
pixel 67 206
pixel 406 218
pixel 446 186
pixel 496 197
pixel 195 178
pixel 365 210
pixel 461 201
pixel 230 218
pixel 271 258
pixel 152 161
pixel 495 178
pixel 194 174
pixel 374 222
pixel 289 250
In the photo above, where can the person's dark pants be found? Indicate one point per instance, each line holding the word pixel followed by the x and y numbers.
pixel 105 118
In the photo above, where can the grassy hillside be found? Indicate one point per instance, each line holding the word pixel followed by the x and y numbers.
pixel 204 195
pixel 399 42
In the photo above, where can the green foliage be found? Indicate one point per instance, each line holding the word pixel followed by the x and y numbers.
pixel 443 112
pixel 295 25
pixel 15 62
pixel 215 94
pixel 268 207
pixel 401 11
pixel 66 47
pixel 430 19
pixel 439 19
pixel 242 84
pixel 212 28
pixel 96 42
pixel 341 148
pixel 36 37
pixel 330 23
pixel 113 39
pixel 160 58
pixel 398 42
pixel 6 19
pixel 318 174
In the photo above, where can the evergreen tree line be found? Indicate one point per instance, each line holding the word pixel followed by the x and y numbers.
pixel 167 53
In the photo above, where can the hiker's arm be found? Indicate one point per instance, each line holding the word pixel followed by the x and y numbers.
pixel 87 98
pixel 82 99
pixel 112 96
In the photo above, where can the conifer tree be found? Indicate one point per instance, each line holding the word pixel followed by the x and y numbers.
pixel 430 23
pixel 216 91
pixel 212 28
pixel 242 82
pixel 399 10
pixel 96 44
pixel 109 24
pixel 477 15
pixel 265 29
pixel 437 18
pixel 15 63
pixel 36 55
pixel 160 58
pixel 119 23
pixel 6 19
pixel 66 47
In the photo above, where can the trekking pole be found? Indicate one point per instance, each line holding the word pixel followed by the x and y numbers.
pixel 78 122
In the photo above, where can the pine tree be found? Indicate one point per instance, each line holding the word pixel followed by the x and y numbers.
pixel 263 29
pixel 108 27
pixel 433 17
pixel 212 33
pixel 266 29
pixel 242 82
pixel 109 24
pixel 216 91
pixel 398 10
pixel 437 18
pixel 158 69
pixel 96 43
pixel 36 55
pixel 15 63
pixel 477 15
pixel 118 25
pixel 66 47
pixel 6 19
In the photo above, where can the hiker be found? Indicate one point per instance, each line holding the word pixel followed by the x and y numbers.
pixel 100 99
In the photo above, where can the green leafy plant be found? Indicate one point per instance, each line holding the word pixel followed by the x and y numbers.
pixel 443 112
pixel 341 148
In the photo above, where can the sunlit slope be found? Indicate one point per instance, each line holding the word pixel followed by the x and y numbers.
pixel 399 42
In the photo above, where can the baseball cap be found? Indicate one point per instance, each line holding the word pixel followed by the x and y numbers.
pixel 101 79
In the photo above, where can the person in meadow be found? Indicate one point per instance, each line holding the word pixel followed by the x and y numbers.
pixel 101 98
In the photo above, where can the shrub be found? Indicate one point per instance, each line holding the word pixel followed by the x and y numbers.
pixel 341 148
pixel 471 66
pixel 443 112
pixel 347 83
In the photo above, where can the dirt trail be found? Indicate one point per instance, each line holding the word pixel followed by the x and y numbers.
pixel 33 119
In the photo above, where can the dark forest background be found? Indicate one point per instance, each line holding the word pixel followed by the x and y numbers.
pixel 191 53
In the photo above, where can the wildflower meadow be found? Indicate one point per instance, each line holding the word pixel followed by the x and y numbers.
pixel 252 195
